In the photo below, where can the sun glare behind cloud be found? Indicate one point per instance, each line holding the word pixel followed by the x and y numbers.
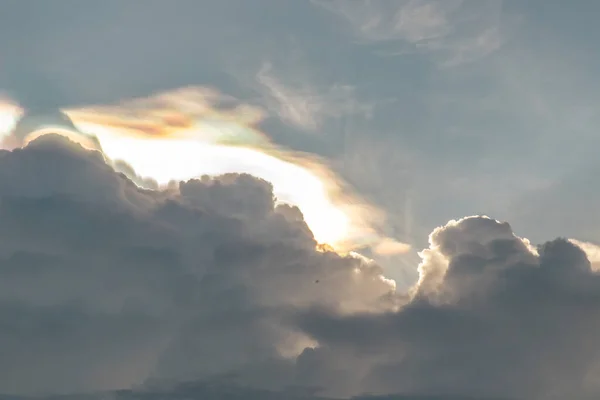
pixel 187 133
pixel 9 115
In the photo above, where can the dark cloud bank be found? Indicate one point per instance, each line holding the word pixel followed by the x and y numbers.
pixel 105 286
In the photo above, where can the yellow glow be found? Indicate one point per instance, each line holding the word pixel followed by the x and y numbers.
pixel 191 132
pixel 165 160
pixel 74 136
pixel 9 115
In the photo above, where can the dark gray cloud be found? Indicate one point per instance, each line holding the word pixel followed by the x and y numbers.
pixel 491 316
pixel 105 285
pixel 220 391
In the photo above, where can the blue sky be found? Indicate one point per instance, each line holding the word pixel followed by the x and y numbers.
pixel 434 110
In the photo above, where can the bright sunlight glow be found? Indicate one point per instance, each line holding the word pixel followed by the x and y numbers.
pixel 184 134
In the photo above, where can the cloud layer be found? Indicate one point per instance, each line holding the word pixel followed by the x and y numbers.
pixel 491 316
pixel 104 285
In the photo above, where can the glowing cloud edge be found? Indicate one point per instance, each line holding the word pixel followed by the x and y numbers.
pixel 139 132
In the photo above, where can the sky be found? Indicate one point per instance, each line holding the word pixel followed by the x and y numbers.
pixel 338 197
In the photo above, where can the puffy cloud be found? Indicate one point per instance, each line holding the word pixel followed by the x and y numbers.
pixel 188 132
pixel 104 285
pixel 490 316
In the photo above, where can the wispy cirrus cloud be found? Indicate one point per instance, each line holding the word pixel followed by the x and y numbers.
pixel 454 31
pixel 304 105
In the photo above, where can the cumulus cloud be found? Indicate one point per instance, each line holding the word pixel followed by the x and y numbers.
pixel 491 316
pixel 454 31
pixel 105 285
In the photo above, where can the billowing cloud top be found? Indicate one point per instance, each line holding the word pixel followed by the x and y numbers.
pixel 192 131
pixel 490 316
pixel 107 286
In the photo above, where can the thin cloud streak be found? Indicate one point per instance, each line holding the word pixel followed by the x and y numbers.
pixel 454 32
pixel 305 106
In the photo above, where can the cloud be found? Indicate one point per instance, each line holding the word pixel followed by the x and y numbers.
pixel 453 31
pixel 104 285
pixel 592 250
pixel 219 390
pixel 192 131
pixel 306 106
pixel 490 316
